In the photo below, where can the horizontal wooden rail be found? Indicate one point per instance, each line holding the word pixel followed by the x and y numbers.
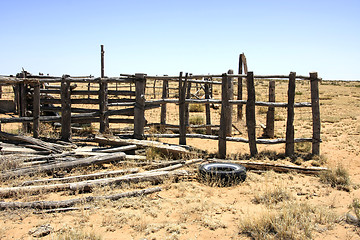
pixel 93 92
pixel 234 102
pixel 231 139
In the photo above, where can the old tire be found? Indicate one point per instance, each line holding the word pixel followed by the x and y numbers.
pixel 223 174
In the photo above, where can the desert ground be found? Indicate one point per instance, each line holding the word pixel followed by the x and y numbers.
pixel 267 205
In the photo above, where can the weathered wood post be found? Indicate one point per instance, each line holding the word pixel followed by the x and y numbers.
pixel 289 146
pixel 315 104
pixel 224 115
pixel 36 109
pixel 270 116
pixel 165 94
pixel 207 109
pixel 23 102
pixel 230 96
pixel 188 95
pixel 103 105
pixel 65 109
pixel 139 109
pixel 240 89
pixel 182 97
pixel 250 113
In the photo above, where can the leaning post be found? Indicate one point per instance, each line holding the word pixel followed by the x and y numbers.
pixel 139 110
pixel 315 104
pixel 103 105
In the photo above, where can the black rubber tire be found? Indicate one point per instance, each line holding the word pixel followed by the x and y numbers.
pixel 223 173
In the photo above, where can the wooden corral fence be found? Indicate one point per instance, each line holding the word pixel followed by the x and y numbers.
pixel 128 98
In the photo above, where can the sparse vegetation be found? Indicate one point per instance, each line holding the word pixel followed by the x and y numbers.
pixel 272 196
pixel 196 120
pixel 68 233
pixel 338 177
pixel 196 108
pixel 292 221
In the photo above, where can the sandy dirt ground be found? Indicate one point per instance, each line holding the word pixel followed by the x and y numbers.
pixel 189 209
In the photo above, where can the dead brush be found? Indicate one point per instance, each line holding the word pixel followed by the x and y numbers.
pixel 272 196
pixel 68 233
pixel 292 221
pixel 337 178
pixel 196 108
pixel 8 162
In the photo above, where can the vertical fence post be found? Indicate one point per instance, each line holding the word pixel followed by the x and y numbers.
pixel 289 146
pixel 230 96
pixel 103 106
pixel 165 94
pixel 23 105
pixel 250 113
pixel 240 89
pixel 270 116
pixel 36 110
pixel 188 95
pixel 182 96
pixel 315 104
pixel 207 109
pixel 139 110
pixel 65 109
pixel 224 116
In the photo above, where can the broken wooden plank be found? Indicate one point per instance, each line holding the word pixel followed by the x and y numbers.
pixel 64 165
pixel 82 177
pixel 72 202
pixel 117 149
pixel 49 146
pixel 153 176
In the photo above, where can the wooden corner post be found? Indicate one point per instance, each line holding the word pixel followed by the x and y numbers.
pixel 315 104
pixel 36 109
pixel 65 109
pixel 224 116
pixel 289 146
pixel 139 110
pixel 250 113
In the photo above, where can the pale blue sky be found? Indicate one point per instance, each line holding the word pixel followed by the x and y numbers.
pixel 165 37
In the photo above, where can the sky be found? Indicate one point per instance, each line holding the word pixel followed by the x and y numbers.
pixel 165 37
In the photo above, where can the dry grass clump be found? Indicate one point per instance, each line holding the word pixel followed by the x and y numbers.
pixel 272 196
pixel 68 233
pixel 293 221
pixel 9 162
pixel 196 120
pixel 196 108
pixel 338 177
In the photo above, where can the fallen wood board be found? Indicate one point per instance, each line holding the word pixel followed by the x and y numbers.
pixel 162 147
pixel 82 177
pixel 153 176
pixel 116 149
pixel 49 146
pixel 276 167
pixel 72 202
pixel 110 157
